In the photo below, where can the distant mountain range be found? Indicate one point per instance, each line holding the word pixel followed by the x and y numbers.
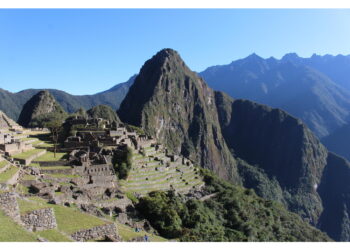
pixel 316 89
pixel 12 103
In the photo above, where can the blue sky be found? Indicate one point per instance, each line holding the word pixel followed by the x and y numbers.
pixel 87 51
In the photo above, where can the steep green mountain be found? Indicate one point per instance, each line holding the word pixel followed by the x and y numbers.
pixel 41 108
pixel 103 111
pixel 171 103
pixel 294 87
pixel 280 147
pixel 12 103
pixel 339 141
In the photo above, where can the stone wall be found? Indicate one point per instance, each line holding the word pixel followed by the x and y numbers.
pixel 51 163
pixel 38 220
pixel 29 160
pixel 8 203
pixel 67 171
pixel 99 232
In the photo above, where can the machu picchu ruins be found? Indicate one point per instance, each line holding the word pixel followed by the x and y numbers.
pixel 82 177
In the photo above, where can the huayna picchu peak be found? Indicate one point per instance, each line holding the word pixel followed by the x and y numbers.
pixel 173 104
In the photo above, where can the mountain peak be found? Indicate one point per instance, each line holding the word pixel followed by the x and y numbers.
pixel 290 56
pixel 254 56
pixel 39 106
pixel 167 52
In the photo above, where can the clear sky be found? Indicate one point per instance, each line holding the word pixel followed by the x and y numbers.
pixel 88 51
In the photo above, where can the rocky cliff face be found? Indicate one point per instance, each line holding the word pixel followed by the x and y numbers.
pixel 39 108
pixel 334 191
pixel 279 145
pixel 171 103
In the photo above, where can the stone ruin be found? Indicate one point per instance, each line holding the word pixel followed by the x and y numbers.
pixel 87 177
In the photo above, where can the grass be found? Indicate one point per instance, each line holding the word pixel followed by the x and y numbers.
pixel 27 154
pixel 27 206
pixel 53 235
pixel 32 164
pixel 43 145
pixel 28 177
pixel 22 189
pixel 28 139
pixel 70 220
pixel 49 156
pixel 56 167
pixel 128 233
pixel 3 164
pixel 10 231
pixel 5 176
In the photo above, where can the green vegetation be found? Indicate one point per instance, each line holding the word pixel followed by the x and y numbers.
pixel 71 220
pixel 232 214
pixel 104 112
pixel 41 109
pixel 132 197
pixel 50 156
pixel 6 175
pixel 11 231
pixel 27 206
pixel 128 233
pixel 122 162
pixel 28 177
pixel 27 154
pixel 54 235
pixel 3 164
pixel 22 189
pixel 56 168
pixel 28 139
pixel 138 130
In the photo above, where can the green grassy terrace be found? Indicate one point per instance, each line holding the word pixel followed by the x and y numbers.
pixel 128 233
pixel 49 156
pixel 27 206
pixel 71 220
pixel 11 231
pixel 6 175
pixel 3 164
pixel 27 154
pixel 54 235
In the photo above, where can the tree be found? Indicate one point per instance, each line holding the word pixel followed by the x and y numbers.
pixel 55 127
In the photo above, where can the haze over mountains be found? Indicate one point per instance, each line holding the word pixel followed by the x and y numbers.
pixel 315 89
